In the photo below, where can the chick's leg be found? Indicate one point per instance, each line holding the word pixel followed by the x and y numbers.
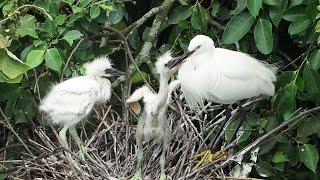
pixel 138 174
pixel 165 146
pixel 83 150
pixel 64 142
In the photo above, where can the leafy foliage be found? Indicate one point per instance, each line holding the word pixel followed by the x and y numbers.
pixel 42 42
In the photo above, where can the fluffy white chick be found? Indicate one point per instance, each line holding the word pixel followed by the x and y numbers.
pixel 71 101
pixel 153 123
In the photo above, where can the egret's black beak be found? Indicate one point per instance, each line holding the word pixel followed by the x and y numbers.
pixel 181 58
pixel 115 72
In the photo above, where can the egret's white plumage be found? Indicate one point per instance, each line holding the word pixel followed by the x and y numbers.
pixel 153 123
pixel 222 75
pixel 71 101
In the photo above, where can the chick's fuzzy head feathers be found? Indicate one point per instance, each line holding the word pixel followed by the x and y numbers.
pixel 98 66
pixel 161 64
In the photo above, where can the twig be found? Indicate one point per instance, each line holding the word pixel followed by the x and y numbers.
pixel 69 58
pixel 143 56
pixel 14 132
pixel 129 53
pixel 142 20
pixel 258 142
pixel 17 11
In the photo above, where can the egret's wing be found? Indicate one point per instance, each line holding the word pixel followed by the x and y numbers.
pixel 174 85
pixel 136 96
pixel 74 96
pixel 237 65
pixel 237 76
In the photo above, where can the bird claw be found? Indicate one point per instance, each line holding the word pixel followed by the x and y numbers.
pixel 207 157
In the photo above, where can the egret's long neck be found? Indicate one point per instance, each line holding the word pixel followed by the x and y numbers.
pixel 163 90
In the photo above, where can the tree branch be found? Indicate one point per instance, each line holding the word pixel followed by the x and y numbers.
pixel 144 54
pixel 256 143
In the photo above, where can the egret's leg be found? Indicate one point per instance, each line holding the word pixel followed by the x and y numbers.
pixel 207 156
pixel 83 150
pixel 242 114
pixel 138 174
pixel 228 116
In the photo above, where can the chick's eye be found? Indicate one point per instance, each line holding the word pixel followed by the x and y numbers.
pixel 198 46
pixel 166 65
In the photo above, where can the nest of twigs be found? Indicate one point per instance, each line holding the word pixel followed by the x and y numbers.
pixel 116 149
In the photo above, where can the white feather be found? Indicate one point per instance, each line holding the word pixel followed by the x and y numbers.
pixel 72 100
pixel 223 76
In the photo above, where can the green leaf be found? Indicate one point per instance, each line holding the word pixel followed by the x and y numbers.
pixel 309 126
pixel 84 3
pixel 94 11
pixel 312 11
pixel 237 27
pixel 72 35
pixel 35 58
pixel 76 9
pixel 309 155
pixel 254 6
pixel 27 21
pixel 263 36
pixel 53 59
pixel 59 20
pixel 298 26
pixel 289 105
pixel 69 1
pixel 196 20
pixel 314 59
pixel 264 169
pixel 294 13
pixel 117 15
pixel 272 2
pixel 275 12
pixel 285 78
pixel 179 14
pixel 244 136
pixel 215 7
pixel 296 2
pixel 10 68
pixel 134 39
pixel 279 157
pixel 312 82
pixel 241 5
pixel 27 31
pixel 136 77
pixel 105 7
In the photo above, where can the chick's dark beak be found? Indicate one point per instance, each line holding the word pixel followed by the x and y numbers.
pixel 180 59
pixel 115 72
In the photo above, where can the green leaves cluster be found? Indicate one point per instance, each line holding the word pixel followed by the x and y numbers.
pixel 36 40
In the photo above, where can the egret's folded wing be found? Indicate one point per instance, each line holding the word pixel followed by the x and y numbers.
pixel 72 96
pixel 172 87
pixel 237 65
pixel 136 96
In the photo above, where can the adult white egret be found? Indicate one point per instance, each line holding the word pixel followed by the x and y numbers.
pixel 222 76
pixel 71 101
pixel 153 123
